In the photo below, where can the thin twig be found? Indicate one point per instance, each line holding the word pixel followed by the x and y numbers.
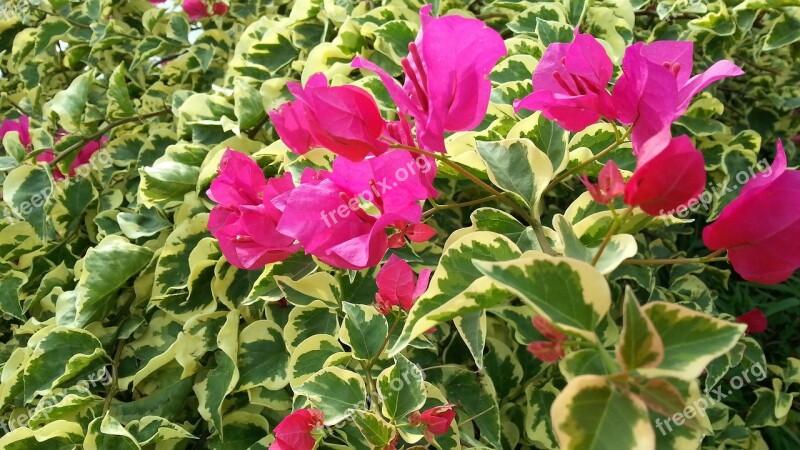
pixel 594 158
pixel 437 208
pixel 105 130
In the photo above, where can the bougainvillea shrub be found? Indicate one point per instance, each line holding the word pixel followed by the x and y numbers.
pixel 389 224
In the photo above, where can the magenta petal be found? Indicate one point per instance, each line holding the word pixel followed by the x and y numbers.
pixel 720 69
pixel 344 119
pixel 21 126
pixel 195 9
pixel 668 178
pixel 422 282
pixel 240 181
pixel 292 126
pixel 571 113
pixel 772 261
pixel 458 53
pixel 677 56
pixel 317 217
pixel 395 281
pixel 588 59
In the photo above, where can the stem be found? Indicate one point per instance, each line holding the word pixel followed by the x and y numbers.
pixel 16 106
pixel 662 262
pixel 112 388
pixel 615 225
pixel 437 208
pixel 537 227
pixel 105 130
pixel 254 131
pixel 594 158
pixel 383 346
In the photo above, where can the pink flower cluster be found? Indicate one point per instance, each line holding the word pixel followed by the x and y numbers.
pixel 199 9
pixel 758 229
pixel 570 86
pixel 370 200
pixel 22 127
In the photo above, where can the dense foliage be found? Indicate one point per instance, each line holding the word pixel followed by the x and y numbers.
pixel 228 225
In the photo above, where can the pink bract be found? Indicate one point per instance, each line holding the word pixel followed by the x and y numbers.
pixel 446 84
pixel 397 285
pixel 667 177
pixel 760 227
pixel 244 222
pixel 569 84
pixel 344 119
pixel 294 432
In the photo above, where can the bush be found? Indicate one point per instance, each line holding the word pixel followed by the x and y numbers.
pixel 227 225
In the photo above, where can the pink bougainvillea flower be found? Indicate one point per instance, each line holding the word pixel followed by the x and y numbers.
pixel 397 285
pixel 296 431
pixel 21 126
pixel 244 221
pixel 755 320
pixel 198 9
pixel 760 227
pixel 667 178
pixel 344 119
pixel 569 84
pixel 415 232
pixel 83 156
pixel 342 217
pixel 610 184
pixel 552 349
pixel 656 86
pixel 446 84
pixel 436 420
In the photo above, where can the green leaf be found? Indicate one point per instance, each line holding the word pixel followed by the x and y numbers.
pixel 213 386
pixel 457 287
pixel 691 339
pixel 591 414
pixel 785 29
pixel 336 392
pixel 364 330
pixel 550 31
pixel 68 106
pixel 517 166
pixel 547 136
pixel 10 283
pixel 153 429
pixel 619 248
pixel 120 104
pixel 567 292
pixel 310 356
pixel 248 106
pixel 25 191
pixel 472 328
pixel 263 359
pixel 106 432
pixel 305 322
pixel 401 389
pixel 376 431
pixel 316 286
pixel 59 353
pixel 640 344
pixel 106 268
pixel 476 397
